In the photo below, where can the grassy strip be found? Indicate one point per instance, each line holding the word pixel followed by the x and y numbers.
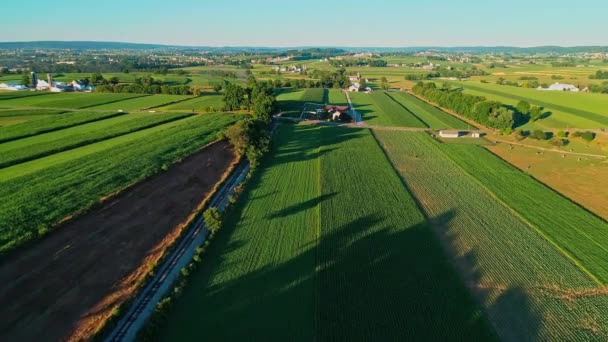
pixel 39 201
pixel 432 116
pixel 380 110
pixel 23 150
pixel 31 128
pixel 7 113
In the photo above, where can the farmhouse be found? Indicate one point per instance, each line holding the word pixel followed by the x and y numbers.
pixel 449 134
pixel 338 112
pixel 13 86
pixel 355 78
pixel 82 85
pixel 561 87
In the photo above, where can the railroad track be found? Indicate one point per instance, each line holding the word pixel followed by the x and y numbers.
pixel 146 300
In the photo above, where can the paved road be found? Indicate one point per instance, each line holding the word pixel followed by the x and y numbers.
pixel 145 302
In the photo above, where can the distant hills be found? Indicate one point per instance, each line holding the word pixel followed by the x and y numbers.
pixel 92 45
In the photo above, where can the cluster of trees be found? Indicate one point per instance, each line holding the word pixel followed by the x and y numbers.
pixel 599 88
pixel 600 75
pixel 142 85
pixel 478 108
pixel 256 96
pixel 250 138
pixel 447 72
pixel 528 83
pixel 337 79
pixel 134 88
pixel 380 63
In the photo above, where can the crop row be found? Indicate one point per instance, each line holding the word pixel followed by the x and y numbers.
pixel 144 102
pixel 576 231
pixel 50 124
pixel 520 278
pixel 325 244
pixel 35 202
pixel 41 145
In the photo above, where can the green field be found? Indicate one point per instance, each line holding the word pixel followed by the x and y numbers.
pixel 144 102
pixel 22 150
pixel 521 279
pixel 197 104
pixel 40 193
pixel 378 109
pixel 432 116
pixel 567 109
pixel 570 227
pixel 51 123
pixel 9 117
pixel 337 97
pixel 290 102
pixel 325 244
pixel 66 100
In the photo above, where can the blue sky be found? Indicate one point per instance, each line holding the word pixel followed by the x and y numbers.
pixel 310 22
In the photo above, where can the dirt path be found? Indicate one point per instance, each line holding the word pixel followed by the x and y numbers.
pixel 64 286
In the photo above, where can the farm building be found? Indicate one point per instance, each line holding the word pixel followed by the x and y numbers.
pixel 82 85
pixel 355 78
pixel 12 86
pixel 449 134
pixel 561 87
pixel 476 135
pixel 338 112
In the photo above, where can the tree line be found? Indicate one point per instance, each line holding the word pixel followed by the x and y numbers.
pixel 477 108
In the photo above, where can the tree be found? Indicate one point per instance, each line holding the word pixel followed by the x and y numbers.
pixel 250 138
pixel 384 84
pixel 263 104
pixel 539 135
pixel 217 88
pixel 362 83
pixel 234 97
pixel 213 219
pixel 114 80
pixel 535 113
pixel 25 80
pixel 97 78
pixel 523 107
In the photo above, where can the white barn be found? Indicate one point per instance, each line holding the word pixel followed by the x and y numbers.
pixel 13 86
pixel 562 87
pixel 449 134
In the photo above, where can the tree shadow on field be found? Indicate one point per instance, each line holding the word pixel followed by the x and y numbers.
pixel 294 209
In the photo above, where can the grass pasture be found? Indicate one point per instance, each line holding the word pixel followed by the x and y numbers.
pixel 432 116
pixel 522 281
pixel 304 256
pixel 40 193
pixel 577 232
pixel 379 109
pixel 567 109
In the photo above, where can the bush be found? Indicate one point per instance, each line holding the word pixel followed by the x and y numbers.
pixel 558 142
pixel 213 219
pixel 539 135
pixel 588 136
pixel 520 135
pixel 562 134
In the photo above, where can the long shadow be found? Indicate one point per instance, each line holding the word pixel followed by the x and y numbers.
pixel 294 209
pixel 370 278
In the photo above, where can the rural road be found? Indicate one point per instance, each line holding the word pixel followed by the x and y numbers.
pixel 145 302
pixel 355 115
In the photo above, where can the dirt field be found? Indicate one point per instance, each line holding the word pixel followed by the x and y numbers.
pixel 65 286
